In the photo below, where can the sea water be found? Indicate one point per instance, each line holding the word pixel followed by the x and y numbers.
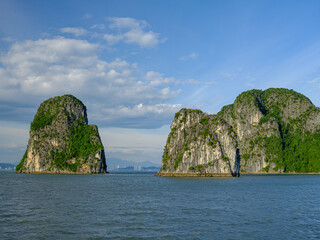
pixel 142 206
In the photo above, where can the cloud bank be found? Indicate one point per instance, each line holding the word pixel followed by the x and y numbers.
pixel 117 93
pixel 132 31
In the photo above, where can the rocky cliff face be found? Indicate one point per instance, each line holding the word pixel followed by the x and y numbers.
pixel 272 131
pixel 61 141
pixel 200 144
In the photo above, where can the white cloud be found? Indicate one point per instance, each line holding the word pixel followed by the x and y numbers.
pixel 98 26
pixel 190 56
pixel 116 93
pixel 156 79
pixel 13 135
pixel 142 38
pixel 135 144
pixel 132 31
pixel 129 23
pixel 47 66
pixel 140 110
pixel 76 31
pixel 137 116
pixel 113 39
pixel 13 141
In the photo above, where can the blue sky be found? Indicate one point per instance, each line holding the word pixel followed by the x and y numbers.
pixel 135 63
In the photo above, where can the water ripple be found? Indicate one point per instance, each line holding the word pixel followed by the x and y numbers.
pixel 141 206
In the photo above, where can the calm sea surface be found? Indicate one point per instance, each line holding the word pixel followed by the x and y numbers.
pixel 141 206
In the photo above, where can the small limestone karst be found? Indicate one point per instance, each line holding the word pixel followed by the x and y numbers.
pixel 61 141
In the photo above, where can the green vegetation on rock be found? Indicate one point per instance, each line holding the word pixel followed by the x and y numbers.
pixel 195 129
pixel 82 141
pixel 286 141
pixel 80 146
pixel 276 130
pixel 20 165
pixel 61 139
pixel 296 151
pixel 42 119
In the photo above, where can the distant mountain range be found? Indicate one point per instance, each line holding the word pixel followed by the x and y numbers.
pixel 115 163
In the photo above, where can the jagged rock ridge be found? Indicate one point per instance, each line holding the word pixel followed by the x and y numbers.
pixel 61 141
pixel 274 131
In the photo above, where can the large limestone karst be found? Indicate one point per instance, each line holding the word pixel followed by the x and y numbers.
pixel 61 141
pixel 271 131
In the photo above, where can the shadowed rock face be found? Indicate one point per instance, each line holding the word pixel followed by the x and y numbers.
pixel 61 141
pixel 271 131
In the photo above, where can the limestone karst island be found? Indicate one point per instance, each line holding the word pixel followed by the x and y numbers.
pixel 271 131
pixel 61 141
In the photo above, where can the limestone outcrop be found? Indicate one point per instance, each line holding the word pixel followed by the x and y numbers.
pixel 200 144
pixel 61 141
pixel 271 131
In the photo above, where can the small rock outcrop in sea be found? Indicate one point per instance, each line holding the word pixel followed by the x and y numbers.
pixel 271 131
pixel 61 141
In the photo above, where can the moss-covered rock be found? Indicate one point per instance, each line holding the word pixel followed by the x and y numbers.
pixel 276 130
pixel 61 141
